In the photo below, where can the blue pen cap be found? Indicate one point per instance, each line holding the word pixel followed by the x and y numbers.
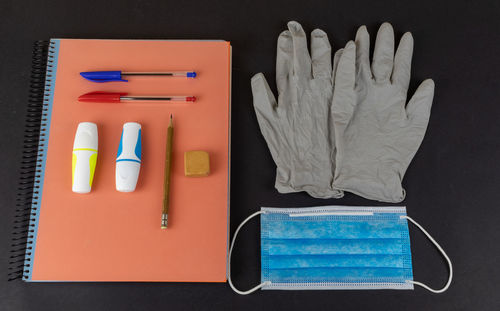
pixel 191 74
pixel 103 76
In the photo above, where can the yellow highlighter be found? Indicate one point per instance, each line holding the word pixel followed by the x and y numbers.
pixel 84 157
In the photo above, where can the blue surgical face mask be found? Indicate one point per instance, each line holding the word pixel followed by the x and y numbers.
pixel 335 247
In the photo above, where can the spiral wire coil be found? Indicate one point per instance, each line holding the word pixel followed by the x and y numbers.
pixel 34 147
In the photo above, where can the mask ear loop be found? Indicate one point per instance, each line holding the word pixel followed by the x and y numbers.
pixel 436 291
pixel 229 259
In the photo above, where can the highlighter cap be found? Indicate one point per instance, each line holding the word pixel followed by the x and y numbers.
pixel 86 136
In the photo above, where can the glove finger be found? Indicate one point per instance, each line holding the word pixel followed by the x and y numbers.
pixel 363 52
pixel 301 58
pixel 321 55
pixel 418 109
pixel 345 73
pixel 402 62
pixel 336 59
pixel 284 60
pixel 264 104
pixel 383 54
pixel 343 101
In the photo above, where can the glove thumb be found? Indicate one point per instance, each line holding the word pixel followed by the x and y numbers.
pixel 418 109
pixel 264 104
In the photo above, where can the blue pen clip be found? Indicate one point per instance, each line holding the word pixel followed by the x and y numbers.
pixel 103 76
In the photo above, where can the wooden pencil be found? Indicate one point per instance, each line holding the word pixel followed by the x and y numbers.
pixel 168 169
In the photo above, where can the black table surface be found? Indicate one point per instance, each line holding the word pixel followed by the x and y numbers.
pixel 453 183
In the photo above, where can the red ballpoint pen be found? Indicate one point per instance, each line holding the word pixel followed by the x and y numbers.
pixel 110 97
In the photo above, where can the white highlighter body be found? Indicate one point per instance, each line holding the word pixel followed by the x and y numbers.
pixel 128 159
pixel 84 157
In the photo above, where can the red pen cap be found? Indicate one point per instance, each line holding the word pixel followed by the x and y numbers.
pixel 101 97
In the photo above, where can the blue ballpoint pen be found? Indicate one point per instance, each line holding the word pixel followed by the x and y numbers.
pixel 109 76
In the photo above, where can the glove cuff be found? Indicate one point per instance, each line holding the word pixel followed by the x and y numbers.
pixel 317 188
pixel 374 184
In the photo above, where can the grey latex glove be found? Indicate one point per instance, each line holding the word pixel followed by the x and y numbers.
pixel 376 134
pixel 297 128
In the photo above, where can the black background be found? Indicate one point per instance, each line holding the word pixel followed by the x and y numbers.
pixel 453 184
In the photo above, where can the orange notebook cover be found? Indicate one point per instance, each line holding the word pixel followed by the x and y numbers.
pixel 107 235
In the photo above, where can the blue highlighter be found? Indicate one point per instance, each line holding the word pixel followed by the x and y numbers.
pixel 128 159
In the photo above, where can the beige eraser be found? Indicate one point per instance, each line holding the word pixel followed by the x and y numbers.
pixel 196 163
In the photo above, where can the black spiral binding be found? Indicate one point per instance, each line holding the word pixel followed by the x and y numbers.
pixel 31 165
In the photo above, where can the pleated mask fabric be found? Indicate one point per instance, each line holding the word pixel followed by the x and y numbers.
pixel 335 248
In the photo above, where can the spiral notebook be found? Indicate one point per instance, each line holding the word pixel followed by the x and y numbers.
pixel 107 235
